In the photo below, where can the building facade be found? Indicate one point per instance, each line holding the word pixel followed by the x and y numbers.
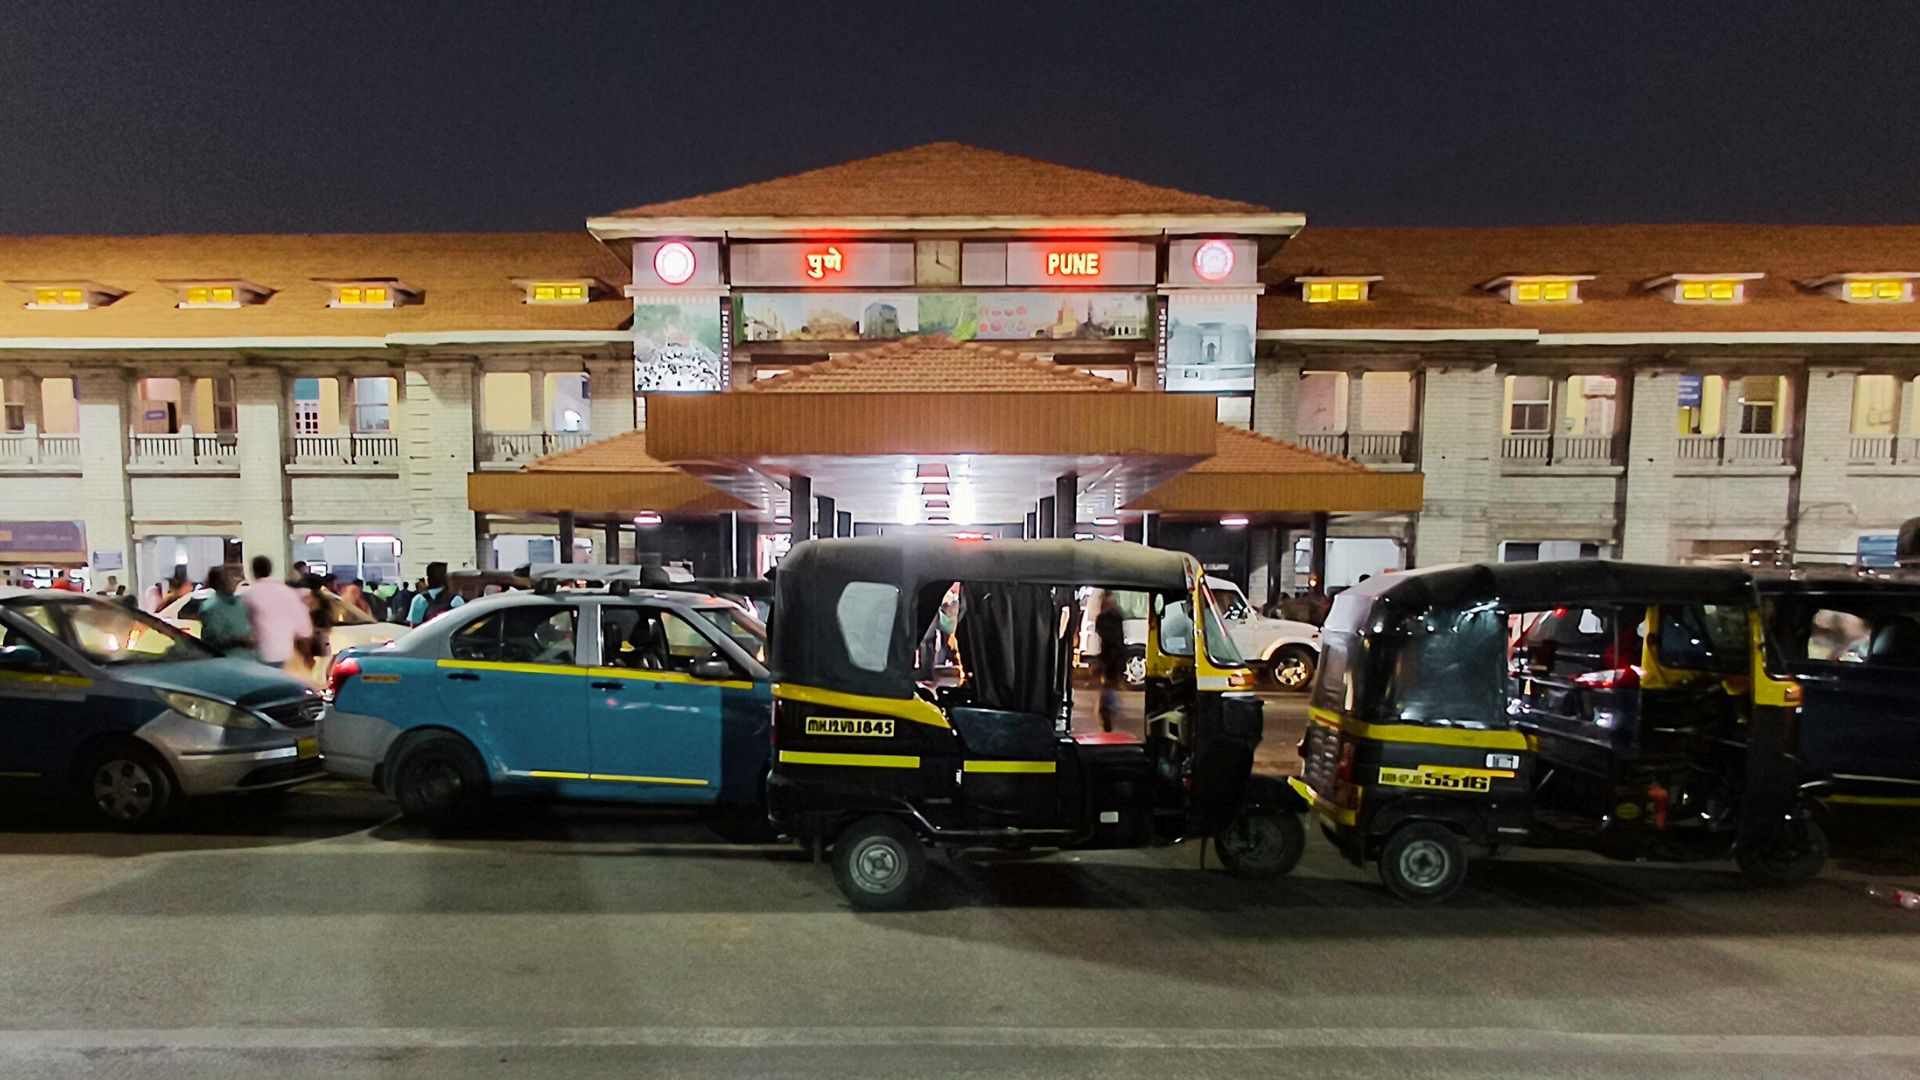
pixel 1649 392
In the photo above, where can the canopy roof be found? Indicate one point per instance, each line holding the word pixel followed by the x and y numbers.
pixel 1254 474
pixel 1577 581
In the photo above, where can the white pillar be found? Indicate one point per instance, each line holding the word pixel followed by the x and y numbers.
pixel 101 397
pixel 537 399
pixel 1829 519
pixel 1460 443
pixel 1276 398
pixel 260 398
pixel 1646 530
pixel 438 442
pixel 610 388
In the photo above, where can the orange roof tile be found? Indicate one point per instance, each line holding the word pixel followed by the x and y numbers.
pixel 944 179
pixel 1431 277
pixel 931 365
pixel 626 452
pixel 466 281
pixel 1242 451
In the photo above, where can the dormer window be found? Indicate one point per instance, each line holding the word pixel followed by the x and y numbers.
pixel 1538 288
pixel 218 294
pixel 66 295
pixel 560 290
pixel 1869 287
pixel 371 293
pixel 1336 290
pixel 1705 288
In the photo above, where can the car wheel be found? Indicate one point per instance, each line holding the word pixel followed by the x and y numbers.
pixel 1292 668
pixel 1262 845
pixel 878 863
pixel 127 786
pixel 1790 857
pixel 1136 670
pixel 440 779
pixel 1423 862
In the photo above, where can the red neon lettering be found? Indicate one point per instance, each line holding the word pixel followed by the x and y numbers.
pixel 1073 263
pixel 819 262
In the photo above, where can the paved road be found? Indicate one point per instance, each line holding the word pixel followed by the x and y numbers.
pixel 325 939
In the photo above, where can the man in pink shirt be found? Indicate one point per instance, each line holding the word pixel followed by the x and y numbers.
pixel 282 622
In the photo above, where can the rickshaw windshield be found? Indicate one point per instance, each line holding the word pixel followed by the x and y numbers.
pixel 1445 667
pixel 1220 647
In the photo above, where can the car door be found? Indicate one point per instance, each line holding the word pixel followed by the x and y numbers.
pixel 42 698
pixel 657 728
pixel 1857 659
pixel 511 684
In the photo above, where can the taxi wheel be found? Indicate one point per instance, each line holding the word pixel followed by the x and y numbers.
pixel 878 863
pixel 1794 857
pixel 126 786
pixel 1263 845
pixel 440 780
pixel 1423 862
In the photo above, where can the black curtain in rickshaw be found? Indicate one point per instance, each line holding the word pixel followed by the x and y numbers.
pixel 1008 636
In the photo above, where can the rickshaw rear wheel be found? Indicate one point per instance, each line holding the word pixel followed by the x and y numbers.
pixel 1794 857
pixel 878 863
pixel 1260 846
pixel 1423 863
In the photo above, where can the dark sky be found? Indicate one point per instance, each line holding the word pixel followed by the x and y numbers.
pixel 165 117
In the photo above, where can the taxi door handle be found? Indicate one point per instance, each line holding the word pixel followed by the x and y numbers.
pixel 464 676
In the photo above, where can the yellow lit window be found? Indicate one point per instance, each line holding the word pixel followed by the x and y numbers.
pixel 1693 290
pixel 1527 292
pixel 221 294
pixel 1709 292
pixel 365 295
pixel 197 294
pixel 573 292
pixel 350 294
pixel 1876 290
pixel 1319 292
pixel 546 292
pixel 375 294
pixel 1555 292
pixel 1720 290
pixel 59 297
pixel 1347 290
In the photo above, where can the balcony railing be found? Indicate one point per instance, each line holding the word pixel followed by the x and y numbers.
pixel 1370 447
pixel 520 447
pixel 1549 449
pixel 359 448
pixel 1883 450
pixel 25 449
pixel 1732 450
pixel 185 450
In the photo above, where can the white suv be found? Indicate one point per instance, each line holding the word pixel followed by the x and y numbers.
pixel 1286 650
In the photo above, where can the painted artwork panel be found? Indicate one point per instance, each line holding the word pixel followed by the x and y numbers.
pixel 677 344
pixel 1210 341
pixel 1059 316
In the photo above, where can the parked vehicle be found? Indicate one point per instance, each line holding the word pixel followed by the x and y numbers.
pixel 1852 643
pixel 347 626
pixel 1286 651
pixel 875 765
pixel 132 715
pixel 638 696
pixel 1637 711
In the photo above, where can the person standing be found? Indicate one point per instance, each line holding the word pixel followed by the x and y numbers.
pixel 1111 628
pixel 437 598
pixel 225 626
pixel 277 612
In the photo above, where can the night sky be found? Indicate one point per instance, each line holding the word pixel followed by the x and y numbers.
pixel 165 117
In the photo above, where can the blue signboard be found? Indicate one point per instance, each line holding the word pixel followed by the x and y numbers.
pixel 1690 391
pixel 43 538
pixel 1880 550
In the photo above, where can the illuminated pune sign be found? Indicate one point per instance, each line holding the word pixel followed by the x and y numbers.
pixel 1073 264
pixel 822 263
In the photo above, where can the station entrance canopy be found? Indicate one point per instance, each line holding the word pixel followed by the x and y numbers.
pixel 925 429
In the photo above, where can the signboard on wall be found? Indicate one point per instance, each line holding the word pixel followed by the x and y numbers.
pixel 1209 340
pixel 43 541
pixel 677 344
pixel 994 316
pixel 825 263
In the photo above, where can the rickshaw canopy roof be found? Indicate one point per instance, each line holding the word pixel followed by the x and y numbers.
pixel 812 644
pixel 1568 582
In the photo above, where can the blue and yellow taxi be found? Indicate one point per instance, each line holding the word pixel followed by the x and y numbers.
pixel 657 697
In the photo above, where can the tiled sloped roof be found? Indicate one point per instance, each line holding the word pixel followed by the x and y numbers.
pixel 944 179
pixel 926 365
pixel 1431 277
pixel 466 279
pixel 624 453
pixel 1242 451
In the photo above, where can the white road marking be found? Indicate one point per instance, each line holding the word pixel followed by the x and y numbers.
pixel 34 1044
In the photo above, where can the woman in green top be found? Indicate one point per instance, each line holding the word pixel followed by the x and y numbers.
pixel 224 626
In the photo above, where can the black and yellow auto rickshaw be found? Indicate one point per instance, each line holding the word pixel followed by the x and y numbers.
pixel 1636 711
pixel 877 756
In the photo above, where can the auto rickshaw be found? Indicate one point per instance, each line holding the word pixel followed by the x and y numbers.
pixel 1636 711
pixel 875 758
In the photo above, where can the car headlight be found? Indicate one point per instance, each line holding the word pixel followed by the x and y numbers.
pixel 209 711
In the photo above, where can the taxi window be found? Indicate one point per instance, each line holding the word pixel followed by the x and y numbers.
pixel 527 634
pixel 865 614
pixel 1878 630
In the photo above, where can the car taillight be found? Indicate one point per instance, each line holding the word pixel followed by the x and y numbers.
pixel 342 669
pixel 1625 678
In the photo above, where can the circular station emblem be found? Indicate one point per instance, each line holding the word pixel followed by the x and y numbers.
pixel 1213 260
pixel 673 262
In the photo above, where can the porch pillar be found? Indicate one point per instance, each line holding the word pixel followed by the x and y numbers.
pixel 1146 528
pixel 1317 571
pixel 800 507
pixel 565 521
pixel 1030 529
pixel 843 523
pixel 1066 505
pixel 612 555
pixel 827 518
pixel 1046 517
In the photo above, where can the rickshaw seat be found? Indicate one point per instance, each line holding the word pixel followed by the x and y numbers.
pixel 1106 738
pixel 1003 733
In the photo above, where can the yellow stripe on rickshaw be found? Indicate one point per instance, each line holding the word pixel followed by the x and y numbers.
pixel 855 761
pixel 1320 806
pixel 1423 735
pixel 1009 767
pixel 911 709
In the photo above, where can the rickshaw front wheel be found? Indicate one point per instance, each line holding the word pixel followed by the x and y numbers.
pixel 1423 863
pixel 1791 856
pixel 878 863
pixel 1260 845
